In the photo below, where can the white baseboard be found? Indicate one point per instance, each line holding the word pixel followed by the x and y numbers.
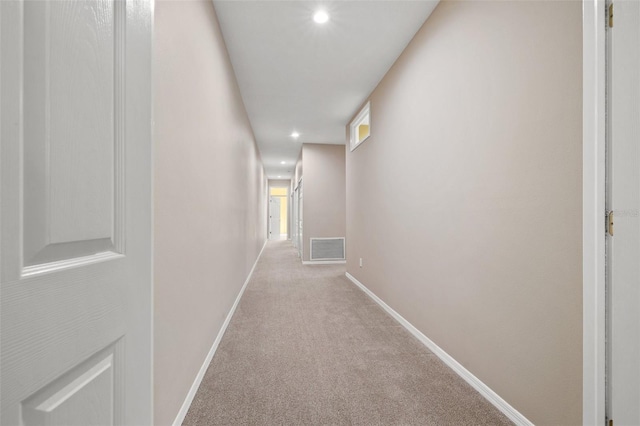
pixel 196 383
pixel 484 390
pixel 324 262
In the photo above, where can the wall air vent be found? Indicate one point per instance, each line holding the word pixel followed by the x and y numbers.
pixel 327 248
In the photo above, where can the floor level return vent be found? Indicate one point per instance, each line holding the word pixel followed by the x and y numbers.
pixel 327 248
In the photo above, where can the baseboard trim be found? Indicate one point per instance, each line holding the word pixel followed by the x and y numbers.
pixel 484 390
pixel 324 262
pixel 196 383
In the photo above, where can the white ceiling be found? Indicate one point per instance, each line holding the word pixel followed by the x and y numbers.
pixel 295 74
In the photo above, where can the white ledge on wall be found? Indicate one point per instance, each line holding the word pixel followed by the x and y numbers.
pixel 484 390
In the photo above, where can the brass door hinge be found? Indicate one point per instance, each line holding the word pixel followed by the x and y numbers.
pixel 610 15
pixel 610 223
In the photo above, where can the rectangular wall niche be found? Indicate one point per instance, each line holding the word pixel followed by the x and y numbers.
pixel 360 128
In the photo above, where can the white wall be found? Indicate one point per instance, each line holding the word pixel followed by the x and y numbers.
pixel 466 201
pixel 210 195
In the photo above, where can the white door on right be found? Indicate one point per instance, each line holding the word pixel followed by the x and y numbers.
pixel 623 198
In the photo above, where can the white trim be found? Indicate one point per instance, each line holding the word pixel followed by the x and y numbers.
pixel 484 390
pixel 205 365
pixel 324 262
pixel 593 211
pixel 364 112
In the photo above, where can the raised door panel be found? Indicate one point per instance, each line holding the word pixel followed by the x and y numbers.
pixel 85 396
pixel 71 130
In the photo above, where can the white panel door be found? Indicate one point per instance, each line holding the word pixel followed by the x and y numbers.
pixel 274 218
pixel 623 197
pixel 75 259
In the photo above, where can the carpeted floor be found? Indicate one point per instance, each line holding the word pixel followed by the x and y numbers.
pixel 307 347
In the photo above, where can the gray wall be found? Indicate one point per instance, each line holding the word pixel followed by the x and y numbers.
pixel 210 195
pixel 279 183
pixel 323 192
pixel 465 203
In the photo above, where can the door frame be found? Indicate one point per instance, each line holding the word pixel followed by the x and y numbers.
pixel 299 218
pixel 293 232
pixel 593 209
pixel 271 183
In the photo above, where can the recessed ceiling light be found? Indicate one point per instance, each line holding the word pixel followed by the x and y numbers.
pixel 295 135
pixel 320 17
pixel 283 162
pixel 279 177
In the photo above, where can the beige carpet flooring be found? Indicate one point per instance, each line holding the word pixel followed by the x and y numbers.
pixel 307 347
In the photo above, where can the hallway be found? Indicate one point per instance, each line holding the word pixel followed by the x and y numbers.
pixel 306 346
pixel 454 154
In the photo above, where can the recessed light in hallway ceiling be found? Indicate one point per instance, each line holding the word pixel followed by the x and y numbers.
pixel 295 135
pixel 321 17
